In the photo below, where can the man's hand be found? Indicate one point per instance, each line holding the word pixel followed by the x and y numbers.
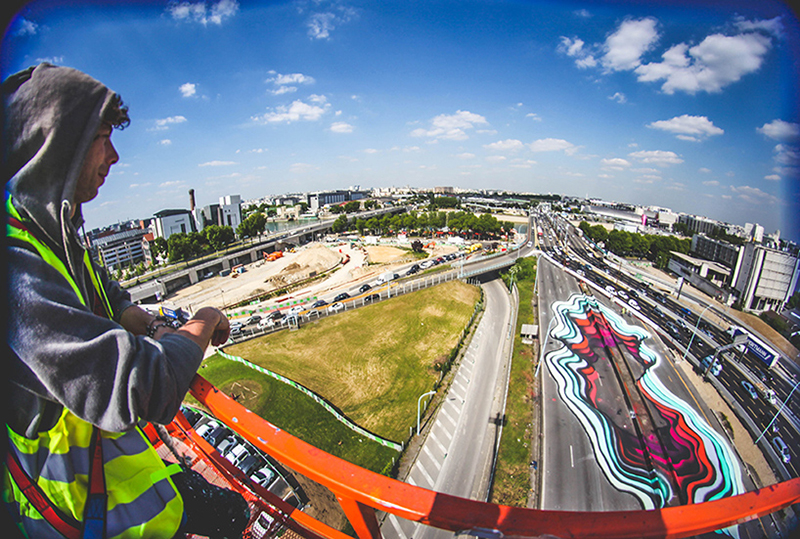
pixel 222 331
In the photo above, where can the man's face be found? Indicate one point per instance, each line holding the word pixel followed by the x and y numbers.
pixel 96 164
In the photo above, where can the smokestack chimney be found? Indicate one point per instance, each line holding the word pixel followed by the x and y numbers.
pixel 191 199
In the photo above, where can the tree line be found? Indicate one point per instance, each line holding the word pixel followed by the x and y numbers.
pixel 653 247
pixel 485 226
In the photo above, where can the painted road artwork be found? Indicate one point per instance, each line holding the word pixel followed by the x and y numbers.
pixel 648 442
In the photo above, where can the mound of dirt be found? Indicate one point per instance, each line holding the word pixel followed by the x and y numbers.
pixel 380 254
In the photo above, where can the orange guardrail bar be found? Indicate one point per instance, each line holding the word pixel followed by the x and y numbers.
pixel 361 492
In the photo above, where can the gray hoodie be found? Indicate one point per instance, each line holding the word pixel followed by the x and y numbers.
pixel 63 355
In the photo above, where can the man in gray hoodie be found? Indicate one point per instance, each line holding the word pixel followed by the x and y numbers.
pixel 87 366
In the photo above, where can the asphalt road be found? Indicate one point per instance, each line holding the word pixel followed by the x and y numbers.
pixel 456 456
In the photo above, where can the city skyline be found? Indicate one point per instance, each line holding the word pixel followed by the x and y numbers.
pixel 693 108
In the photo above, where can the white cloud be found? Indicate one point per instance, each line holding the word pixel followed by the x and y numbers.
pixel 164 123
pixel 780 130
pixel 619 97
pixel 772 177
pixel 24 27
pixel 711 183
pixel 582 13
pixel 787 155
pixel 685 127
pixel 509 145
pixel 371 151
pixel 451 126
pixel 165 142
pixel 553 145
pixel 495 158
pixel 466 155
pixel 615 163
pixel 704 169
pixel 341 127
pixel 625 47
pixel 772 26
pixel 754 195
pixel 657 157
pixel 574 49
pixel 203 13
pixel 287 83
pixel 718 61
pixel 533 116
pixel 297 111
pixel 188 90
pixel 709 66
pixel 320 25
pixel 217 164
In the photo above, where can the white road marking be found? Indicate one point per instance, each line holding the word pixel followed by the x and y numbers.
pixel 432 436
pixel 571 458
pixel 396 525
pixel 434 460
pixel 422 469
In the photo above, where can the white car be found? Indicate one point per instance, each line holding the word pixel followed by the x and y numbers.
pixel 425 264
pixel 266 323
pixel 633 303
pixel 335 307
pixel 610 290
pixel 622 294
pixel 237 454
pixel 237 325
pixel 296 310
pixel 264 476
pixel 206 428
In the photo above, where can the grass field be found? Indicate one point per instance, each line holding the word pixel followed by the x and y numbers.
pixel 372 363
pixel 512 475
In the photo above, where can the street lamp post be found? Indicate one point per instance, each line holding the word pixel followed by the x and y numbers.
pixel 685 352
pixel 419 403
pixel 783 405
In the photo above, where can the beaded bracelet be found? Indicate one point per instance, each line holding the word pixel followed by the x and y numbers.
pixel 152 327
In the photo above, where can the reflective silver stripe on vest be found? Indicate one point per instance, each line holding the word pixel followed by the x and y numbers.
pixel 63 467
pixel 142 510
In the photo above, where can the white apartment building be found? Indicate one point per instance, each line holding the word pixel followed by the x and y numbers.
pixel 230 211
pixel 765 277
pixel 168 222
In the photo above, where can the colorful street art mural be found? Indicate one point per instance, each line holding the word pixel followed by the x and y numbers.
pixel 680 459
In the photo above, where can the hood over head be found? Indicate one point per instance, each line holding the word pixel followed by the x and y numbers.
pixel 51 116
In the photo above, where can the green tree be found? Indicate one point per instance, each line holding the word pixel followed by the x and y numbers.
pixel 218 236
pixel 253 226
pixel 619 242
pixel 179 247
pixel 340 224
pixel 352 206
pixel 159 247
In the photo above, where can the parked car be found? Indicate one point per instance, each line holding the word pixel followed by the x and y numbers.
pixel 296 310
pixel 426 264
pixel 192 416
pixel 237 454
pixel 266 323
pixel 250 463
pixel 340 297
pixel 413 269
pixel 204 429
pixel 364 288
pixel 780 447
pixel 264 476
pixel 319 303
pixel 750 389
pixel 236 325
pixel 236 331
pixel 275 315
pixel 226 445
pixel 215 436
pixel 335 307
pixel 254 319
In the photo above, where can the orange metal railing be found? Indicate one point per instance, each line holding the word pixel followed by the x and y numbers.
pixel 361 492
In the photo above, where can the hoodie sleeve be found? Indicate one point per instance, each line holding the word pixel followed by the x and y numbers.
pixel 119 298
pixel 62 352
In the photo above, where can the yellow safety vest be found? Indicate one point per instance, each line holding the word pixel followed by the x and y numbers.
pixel 142 499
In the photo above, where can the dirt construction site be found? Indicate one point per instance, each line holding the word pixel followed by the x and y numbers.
pixel 339 265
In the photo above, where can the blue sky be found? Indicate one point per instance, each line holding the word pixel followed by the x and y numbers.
pixel 689 105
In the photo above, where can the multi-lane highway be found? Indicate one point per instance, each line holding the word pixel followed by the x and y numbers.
pixel 622 430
